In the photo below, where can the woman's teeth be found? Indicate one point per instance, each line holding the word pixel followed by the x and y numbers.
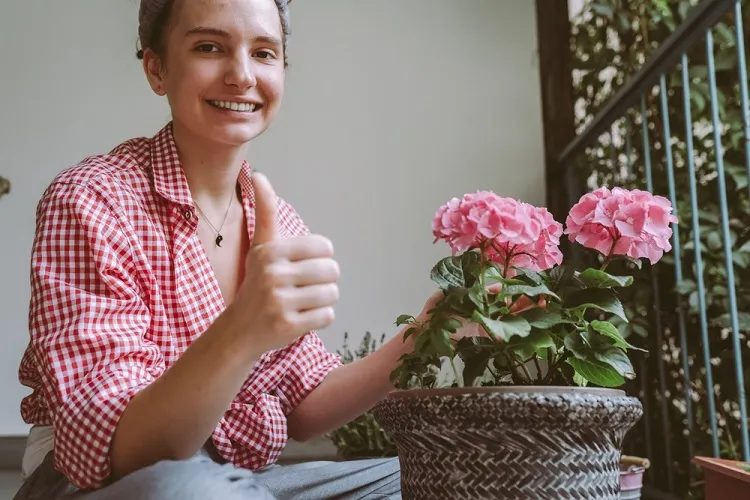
pixel 234 106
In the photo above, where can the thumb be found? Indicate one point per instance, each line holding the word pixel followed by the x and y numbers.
pixel 266 227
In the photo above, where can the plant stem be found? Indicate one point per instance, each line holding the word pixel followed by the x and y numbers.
pixel 514 373
pixel 525 371
pixel 538 368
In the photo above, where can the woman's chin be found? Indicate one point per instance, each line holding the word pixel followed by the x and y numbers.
pixel 235 134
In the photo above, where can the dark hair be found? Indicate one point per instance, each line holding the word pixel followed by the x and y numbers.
pixel 159 28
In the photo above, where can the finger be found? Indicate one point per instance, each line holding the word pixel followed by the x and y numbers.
pixel 315 271
pixel 314 319
pixel 313 297
pixel 311 246
pixel 266 206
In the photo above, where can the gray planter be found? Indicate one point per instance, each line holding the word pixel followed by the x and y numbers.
pixel 509 442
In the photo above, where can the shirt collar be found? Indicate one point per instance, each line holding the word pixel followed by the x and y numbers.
pixel 169 178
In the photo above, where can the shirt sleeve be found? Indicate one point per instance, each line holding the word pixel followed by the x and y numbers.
pixel 87 323
pixel 309 362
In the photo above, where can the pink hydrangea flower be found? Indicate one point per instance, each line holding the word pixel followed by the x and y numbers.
pixel 510 232
pixel 634 223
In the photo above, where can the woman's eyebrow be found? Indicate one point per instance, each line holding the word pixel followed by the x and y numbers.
pixel 206 30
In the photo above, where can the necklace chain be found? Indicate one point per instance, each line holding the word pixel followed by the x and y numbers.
pixel 219 237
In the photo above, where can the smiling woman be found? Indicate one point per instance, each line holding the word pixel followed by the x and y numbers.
pixel 176 297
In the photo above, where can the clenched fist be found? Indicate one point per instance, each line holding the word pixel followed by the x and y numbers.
pixel 290 285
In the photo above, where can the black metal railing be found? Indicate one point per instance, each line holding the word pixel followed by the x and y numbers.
pixel 694 333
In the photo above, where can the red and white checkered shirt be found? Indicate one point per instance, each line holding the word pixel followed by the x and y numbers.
pixel 120 288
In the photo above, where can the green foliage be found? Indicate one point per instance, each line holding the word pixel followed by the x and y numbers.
pixel 4 186
pixel 610 41
pixel 558 318
pixel 362 437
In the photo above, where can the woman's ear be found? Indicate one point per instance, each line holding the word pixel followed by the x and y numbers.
pixel 153 67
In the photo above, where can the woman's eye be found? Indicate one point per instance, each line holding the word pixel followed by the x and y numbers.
pixel 207 47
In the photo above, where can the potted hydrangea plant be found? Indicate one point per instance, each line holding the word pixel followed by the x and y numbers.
pixel 531 406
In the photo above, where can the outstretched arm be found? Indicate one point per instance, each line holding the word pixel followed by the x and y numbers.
pixel 347 392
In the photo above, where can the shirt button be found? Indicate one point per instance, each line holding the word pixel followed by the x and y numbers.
pixel 187 214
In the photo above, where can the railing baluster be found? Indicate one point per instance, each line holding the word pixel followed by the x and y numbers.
pixel 646 412
pixel 666 427
pixel 727 244
pixel 677 263
pixel 628 149
pixel 742 63
pixel 740 35
pixel 701 289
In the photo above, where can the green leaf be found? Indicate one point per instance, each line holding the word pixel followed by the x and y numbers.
pixel 684 9
pixel 594 278
pixel 599 298
pixel 476 353
pixel 617 359
pixel 529 291
pixel 725 321
pixel 577 346
pixel 448 273
pixel 403 319
pixel 450 324
pixel 528 276
pixel 441 342
pixel 685 287
pixel 545 318
pixel 539 341
pixel 475 367
pixel 603 9
pixel 492 274
pixel 741 260
pixel 579 380
pixel 457 271
pixel 563 280
pixel 504 329
pixel 608 329
pixel 725 34
pixel 597 372
pixel 477 294
pixel 411 331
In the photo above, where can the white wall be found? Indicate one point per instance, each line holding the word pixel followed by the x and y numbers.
pixel 392 108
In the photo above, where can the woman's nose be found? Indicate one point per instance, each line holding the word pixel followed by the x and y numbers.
pixel 240 72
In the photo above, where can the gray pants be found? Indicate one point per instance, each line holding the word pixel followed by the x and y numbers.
pixel 201 478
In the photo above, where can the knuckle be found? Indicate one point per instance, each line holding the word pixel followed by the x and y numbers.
pixel 324 245
pixel 329 315
pixel 335 270
pixel 334 292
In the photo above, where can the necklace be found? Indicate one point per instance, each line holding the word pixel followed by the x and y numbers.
pixel 219 237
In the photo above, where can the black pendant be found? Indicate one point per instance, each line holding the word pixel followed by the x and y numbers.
pixel 219 239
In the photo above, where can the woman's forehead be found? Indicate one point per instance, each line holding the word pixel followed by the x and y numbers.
pixel 238 13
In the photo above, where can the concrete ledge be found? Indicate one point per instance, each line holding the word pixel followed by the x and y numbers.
pixel 11 451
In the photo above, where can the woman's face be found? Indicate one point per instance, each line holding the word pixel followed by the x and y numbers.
pixel 223 69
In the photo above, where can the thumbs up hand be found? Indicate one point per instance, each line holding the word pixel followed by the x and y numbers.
pixel 290 285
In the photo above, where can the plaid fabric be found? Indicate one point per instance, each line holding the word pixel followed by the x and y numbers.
pixel 121 287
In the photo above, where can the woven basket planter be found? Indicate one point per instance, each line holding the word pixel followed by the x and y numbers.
pixel 509 442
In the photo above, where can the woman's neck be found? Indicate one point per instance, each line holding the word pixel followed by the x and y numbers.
pixel 210 169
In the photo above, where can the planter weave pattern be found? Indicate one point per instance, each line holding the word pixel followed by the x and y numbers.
pixel 508 445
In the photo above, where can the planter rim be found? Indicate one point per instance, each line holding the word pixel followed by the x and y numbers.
pixel 509 389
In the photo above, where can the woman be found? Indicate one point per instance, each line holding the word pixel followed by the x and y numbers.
pixel 175 297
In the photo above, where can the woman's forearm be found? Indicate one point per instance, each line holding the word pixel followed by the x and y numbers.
pixel 174 416
pixel 362 384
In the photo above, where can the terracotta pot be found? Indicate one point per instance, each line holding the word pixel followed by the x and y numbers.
pixel 509 442
pixel 724 478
